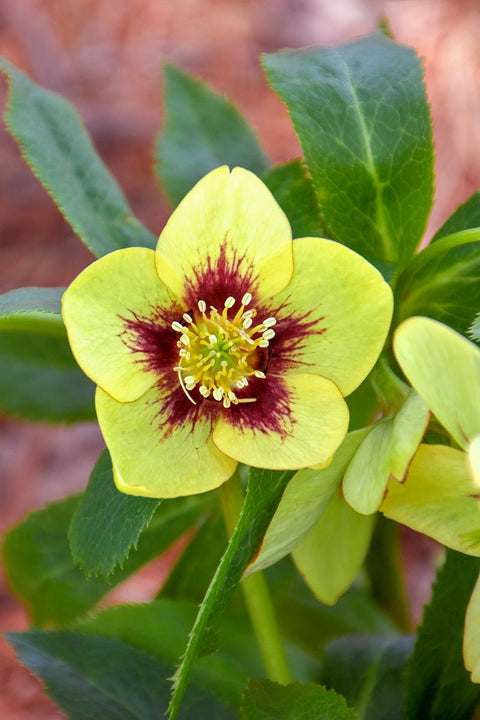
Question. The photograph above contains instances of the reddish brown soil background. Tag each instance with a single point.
(105, 57)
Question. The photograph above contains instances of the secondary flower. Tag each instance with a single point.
(228, 343)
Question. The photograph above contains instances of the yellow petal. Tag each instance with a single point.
(339, 307)
(118, 317)
(154, 456)
(228, 236)
(299, 421)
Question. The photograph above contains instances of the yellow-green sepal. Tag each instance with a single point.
(348, 308)
(444, 367)
(154, 459)
(229, 215)
(438, 498)
(96, 308)
(313, 428)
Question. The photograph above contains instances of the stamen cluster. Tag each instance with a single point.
(218, 354)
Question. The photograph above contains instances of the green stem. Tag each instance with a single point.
(385, 572)
(257, 595)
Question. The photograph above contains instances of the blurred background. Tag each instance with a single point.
(106, 58)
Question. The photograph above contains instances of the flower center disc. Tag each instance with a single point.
(219, 354)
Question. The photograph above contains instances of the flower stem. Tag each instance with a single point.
(257, 595)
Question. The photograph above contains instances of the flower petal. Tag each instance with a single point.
(309, 425)
(227, 227)
(155, 459)
(334, 316)
(118, 317)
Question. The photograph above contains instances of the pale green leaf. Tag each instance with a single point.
(303, 502)
(444, 368)
(333, 552)
(385, 454)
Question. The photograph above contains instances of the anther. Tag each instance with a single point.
(178, 327)
(247, 298)
(269, 322)
(226, 402)
(218, 393)
(189, 320)
(259, 374)
(263, 343)
(202, 306)
(185, 339)
(247, 323)
(269, 334)
(229, 302)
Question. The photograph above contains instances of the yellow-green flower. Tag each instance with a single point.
(228, 343)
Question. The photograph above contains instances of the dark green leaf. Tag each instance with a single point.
(368, 672)
(161, 628)
(202, 131)
(191, 575)
(362, 117)
(310, 624)
(107, 523)
(266, 700)
(55, 144)
(437, 686)
(465, 217)
(33, 309)
(97, 677)
(293, 190)
(39, 377)
(265, 489)
(443, 282)
(41, 570)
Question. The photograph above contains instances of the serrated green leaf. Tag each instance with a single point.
(438, 499)
(442, 282)
(107, 523)
(305, 499)
(368, 672)
(55, 144)
(361, 114)
(161, 628)
(333, 552)
(98, 677)
(266, 700)
(384, 454)
(41, 571)
(203, 130)
(293, 190)
(265, 489)
(437, 686)
(466, 216)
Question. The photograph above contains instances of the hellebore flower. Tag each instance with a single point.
(228, 343)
